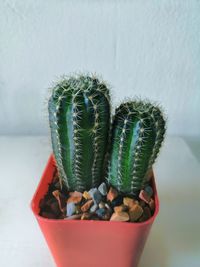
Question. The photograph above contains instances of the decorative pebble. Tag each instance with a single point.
(91, 192)
(146, 215)
(117, 201)
(108, 207)
(48, 215)
(75, 194)
(120, 217)
(94, 207)
(87, 205)
(78, 209)
(100, 213)
(149, 190)
(142, 203)
(112, 194)
(101, 205)
(144, 196)
(120, 208)
(74, 217)
(103, 189)
(86, 216)
(106, 216)
(97, 197)
(62, 216)
(54, 206)
(135, 212)
(129, 201)
(86, 195)
(152, 204)
(97, 204)
(71, 209)
(56, 194)
(94, 217)
(75, 200)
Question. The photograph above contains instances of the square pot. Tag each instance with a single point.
(81, 243)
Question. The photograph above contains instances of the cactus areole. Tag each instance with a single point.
(79, 115)
(137, 134)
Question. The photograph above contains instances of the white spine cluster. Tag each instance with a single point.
(77, 144)
(96, 140)
(119, 159)
(142, 131)
(59, 157)
(158, 124)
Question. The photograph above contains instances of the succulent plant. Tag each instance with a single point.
(79, 115)
(137, 133)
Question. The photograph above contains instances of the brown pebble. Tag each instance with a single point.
(129, 201)
(62, 216)
(106, 216)
(49, 201)
(146, 214)
(74, 217)
(48, 215)
(55, 208)
(86, 216)
(152, 204)
(57, 195)
(75, 194)
(144, 196)
(78, 209)
(86, 195)
(120, 217)
(121, 208)
(135, 212)
(142, 203)
(74, 199)
(112, 194)
(94, 217)
(87, 205)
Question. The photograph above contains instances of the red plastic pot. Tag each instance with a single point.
(91, 243)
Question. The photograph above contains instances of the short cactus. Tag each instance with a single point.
(79, 115)
(137, 133)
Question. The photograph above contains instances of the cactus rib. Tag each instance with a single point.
(137, 134)
(79, 113)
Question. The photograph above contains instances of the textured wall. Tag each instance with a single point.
(147, 48)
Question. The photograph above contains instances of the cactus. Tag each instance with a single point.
(79, 116)
(137, 133)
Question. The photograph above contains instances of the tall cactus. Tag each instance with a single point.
(79, 115)
(137, 133)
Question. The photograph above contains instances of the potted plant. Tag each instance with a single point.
(97, 198)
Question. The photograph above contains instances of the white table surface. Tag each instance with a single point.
(175, 237)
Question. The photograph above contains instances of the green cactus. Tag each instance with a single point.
(79, 116)
(137, 133)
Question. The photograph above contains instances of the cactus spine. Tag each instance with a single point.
(137, 133)
(79, 116)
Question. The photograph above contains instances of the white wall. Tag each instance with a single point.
(147, 48)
